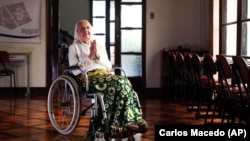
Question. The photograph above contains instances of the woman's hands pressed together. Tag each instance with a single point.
(93, 55)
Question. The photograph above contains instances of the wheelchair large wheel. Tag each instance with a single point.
(64, 104)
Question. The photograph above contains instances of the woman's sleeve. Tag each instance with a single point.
(73, 58)
(72, 55)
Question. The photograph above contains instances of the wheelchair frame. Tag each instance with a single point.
(64, 103)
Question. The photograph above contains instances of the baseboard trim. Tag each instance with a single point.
(22, 91)
(148, 92)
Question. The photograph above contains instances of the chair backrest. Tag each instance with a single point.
(223, 66)
(210, 70)
(209, 65)
(188, 61)
(196, 61)
(4, 56)
(197, 70)
(172, 58)
(181, 64)
(240, 65)
(242, 74)
(173, 62)
(225, 75)
(180, 59)
(189, 66)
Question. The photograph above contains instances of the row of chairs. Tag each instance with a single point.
(213, 87)
(232, 99)
(188, 80)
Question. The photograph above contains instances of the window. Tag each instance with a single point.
(122, 30)
(119, 25)
(235, 27)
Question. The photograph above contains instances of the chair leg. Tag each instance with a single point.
(12, 86)
(14, 89)
(190, 107)
(209, 107)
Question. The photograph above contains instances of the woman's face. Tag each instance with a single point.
(84, 31)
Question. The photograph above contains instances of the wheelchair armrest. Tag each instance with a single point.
(85, 73)
(119, 68)
(76, 67)
(71, 68)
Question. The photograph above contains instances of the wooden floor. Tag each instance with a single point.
(26, 119)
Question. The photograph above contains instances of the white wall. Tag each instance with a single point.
(38, 59)
(38, 56)
(176, 22)
(71, 12)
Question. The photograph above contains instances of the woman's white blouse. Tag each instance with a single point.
(78, 55)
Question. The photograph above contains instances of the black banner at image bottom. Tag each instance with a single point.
(215, 131)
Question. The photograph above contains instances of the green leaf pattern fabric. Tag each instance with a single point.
(121, 103)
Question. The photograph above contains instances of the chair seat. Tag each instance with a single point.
(242, 101)
(205, 81)
(6, 72)
(204, 78)
(235, 90)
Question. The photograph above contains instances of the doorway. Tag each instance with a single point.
(124, 37)
(120, 25)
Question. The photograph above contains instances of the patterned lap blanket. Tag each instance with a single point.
(121, 104)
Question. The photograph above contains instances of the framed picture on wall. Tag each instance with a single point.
(20, 21)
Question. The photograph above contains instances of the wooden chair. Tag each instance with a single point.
(229, 90)
(201, 81)
(189, 101)
(181, 77)
(5, 70)
(242, 77)
(173, 78)
(213, 87)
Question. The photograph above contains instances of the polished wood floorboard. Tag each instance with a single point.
(26, 119)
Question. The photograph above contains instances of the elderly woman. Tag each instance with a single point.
(120, 99)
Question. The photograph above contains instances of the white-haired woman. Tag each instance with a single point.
(119, 97)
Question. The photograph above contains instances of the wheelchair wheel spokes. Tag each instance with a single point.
(64, 104)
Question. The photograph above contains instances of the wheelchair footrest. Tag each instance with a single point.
(85, 113)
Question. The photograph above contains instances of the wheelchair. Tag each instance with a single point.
(65, 107)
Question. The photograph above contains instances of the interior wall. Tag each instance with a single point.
(71, 12)
(37, 58)
(176, 22)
